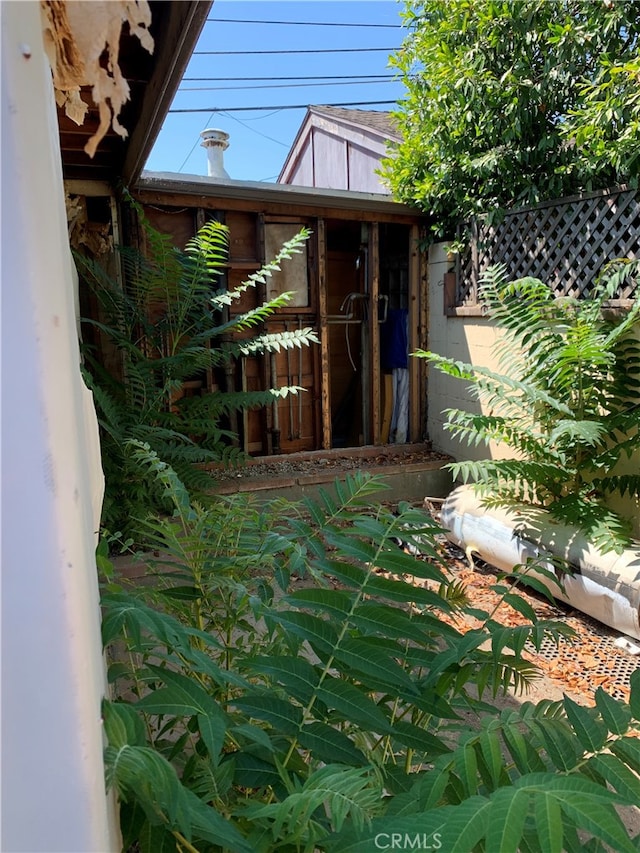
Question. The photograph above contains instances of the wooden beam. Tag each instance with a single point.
(313, 321)
(324, 335)
(450, 281)
(417, 330)
(269, 199)
(93, 172)
(374, 285)
(176, 47)
(269, 413)
(88, 188)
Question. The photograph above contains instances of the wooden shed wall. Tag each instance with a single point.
(362, 165)
(338, 157)
(302, 174)
(336, 373)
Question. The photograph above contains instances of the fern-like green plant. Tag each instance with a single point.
(548, 777)
(257, 713)
(171, 324)
(567, 405)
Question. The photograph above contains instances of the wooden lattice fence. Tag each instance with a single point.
(565, 243)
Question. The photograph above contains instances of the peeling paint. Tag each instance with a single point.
(76, 35)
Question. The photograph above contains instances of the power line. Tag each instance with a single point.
(253, 129)
(259, 132)
(282, 86)
(314, 51)
(193, 147)
(274, 112)
(279, 107)
(316, 77)
(302, 23)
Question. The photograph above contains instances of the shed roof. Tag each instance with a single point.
(259, 193)
(375, 120)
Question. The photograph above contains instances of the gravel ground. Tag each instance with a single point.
(331, 461)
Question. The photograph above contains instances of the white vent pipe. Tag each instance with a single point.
(605, 586)
(216, 142)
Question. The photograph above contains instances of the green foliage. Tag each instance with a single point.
(512, 103)
(284, 682)
(567, 406)
(170, 325)
(606, 123)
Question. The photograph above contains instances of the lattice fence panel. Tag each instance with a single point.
(564, 243)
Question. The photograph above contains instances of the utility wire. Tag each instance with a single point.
(314, 51)
(278, 107)
(193, 147)
(298, 77)
(244, 124)
(259, 118)
(282, 86)
(259, 132)
(301, 23)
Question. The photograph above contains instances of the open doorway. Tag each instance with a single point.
(367, 273)
(348, 332)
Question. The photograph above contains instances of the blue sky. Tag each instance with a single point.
(260, 140)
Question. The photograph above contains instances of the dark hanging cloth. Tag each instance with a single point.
(394, 339)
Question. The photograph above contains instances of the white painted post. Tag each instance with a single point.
(53, 679)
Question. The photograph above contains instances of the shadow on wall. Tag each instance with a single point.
(467, 337)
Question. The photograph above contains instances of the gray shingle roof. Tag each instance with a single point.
(377, 120)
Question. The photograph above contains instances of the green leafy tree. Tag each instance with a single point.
(511, 103)
(171, 324)
(606, 124)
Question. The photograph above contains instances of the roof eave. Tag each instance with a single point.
(295, 149)
(181, 35)
(345, 121)
(199, 185)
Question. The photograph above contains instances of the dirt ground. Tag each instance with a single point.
(576, 668)
(333, 462)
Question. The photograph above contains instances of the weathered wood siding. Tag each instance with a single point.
(340, 273)
(339, 158)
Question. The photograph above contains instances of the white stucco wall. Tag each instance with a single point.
(468, 339)
(53, 793)
(471, 339)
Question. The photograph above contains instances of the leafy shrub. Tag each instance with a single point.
(171, 324)
(568, 405)
(253, 714)
(510, 104)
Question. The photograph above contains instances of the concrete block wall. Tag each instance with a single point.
(463, 338)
